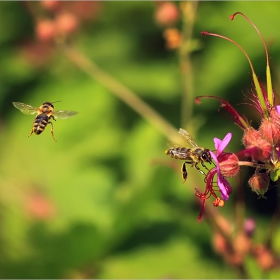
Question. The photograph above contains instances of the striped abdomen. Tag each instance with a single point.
(40, 123)
(179, 153)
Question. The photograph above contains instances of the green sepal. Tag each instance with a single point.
(260, 96)
(274, 175)
(270, 95)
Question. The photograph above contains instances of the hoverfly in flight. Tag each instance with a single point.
(193, 156)
(44, 114)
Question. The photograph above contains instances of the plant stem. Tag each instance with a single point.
(121, 91)
(188, 18)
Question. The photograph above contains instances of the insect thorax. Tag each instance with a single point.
(46, 108)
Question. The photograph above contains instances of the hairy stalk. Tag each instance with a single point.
(251, 164)
(120, 91)
(188, 17)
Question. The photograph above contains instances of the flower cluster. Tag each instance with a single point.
(262, 144)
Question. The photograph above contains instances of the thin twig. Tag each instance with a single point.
(121, 91)
(188, 17)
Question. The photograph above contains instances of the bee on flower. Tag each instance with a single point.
(262, 145)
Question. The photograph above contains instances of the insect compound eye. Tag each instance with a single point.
(206, 156)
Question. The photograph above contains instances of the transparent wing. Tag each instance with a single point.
(187, 137)
(25, 109)
(171, 144)
(64, 114)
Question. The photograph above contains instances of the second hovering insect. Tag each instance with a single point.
(44, 114)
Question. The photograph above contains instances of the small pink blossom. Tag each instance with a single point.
(223, 184)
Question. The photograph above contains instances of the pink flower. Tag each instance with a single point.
(223, 184)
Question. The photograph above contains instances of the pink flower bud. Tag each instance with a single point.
(251, 137)
(172, 38)
(228, 163)
(259, 183)
(50, 5)
(249, 226)
(45, 30)
(270, 128)
(258, 148)
(166, 14)
(66, 23)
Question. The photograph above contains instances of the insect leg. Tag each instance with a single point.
(52, 130)
(32, 130)
(195, 164)
(204, 166)
(197, 168)
(52, 117)
(184, 172)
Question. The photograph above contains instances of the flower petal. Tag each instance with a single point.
(220, 145)
(278, 109)
(223, 184)
(217, 143)
(224, 187)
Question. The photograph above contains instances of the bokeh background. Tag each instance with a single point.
(105, 201)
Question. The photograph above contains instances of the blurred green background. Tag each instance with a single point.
(105, 201)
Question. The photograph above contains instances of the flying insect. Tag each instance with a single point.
(45, 113)
(193, 156)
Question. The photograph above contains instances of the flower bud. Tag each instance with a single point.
(258, 148)
(45, 30)
(249, 226)
(66, 23)
(167, 14)
(50, 5)
(242, 245)
(172, 37)
(259, 183)
(263, 256)
(270, 128)
(251, 137)
(228, 163)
